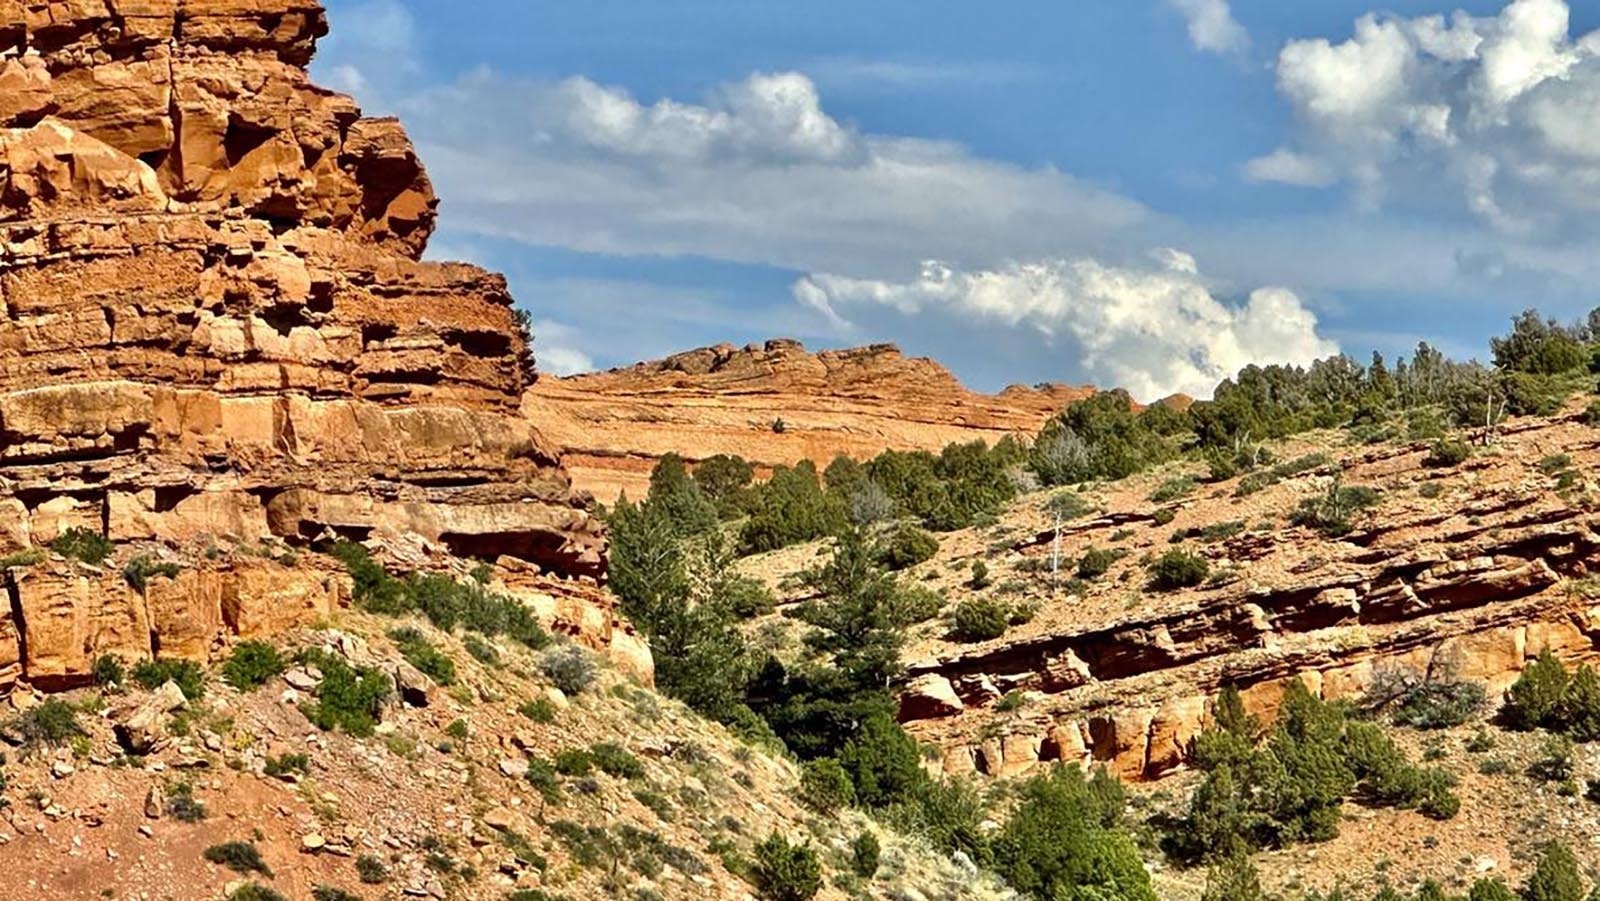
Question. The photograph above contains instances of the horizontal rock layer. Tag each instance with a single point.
(613, 426)
(1474, 585)
(215, 321)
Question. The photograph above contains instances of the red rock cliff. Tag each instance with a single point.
(725, 400)
(215, 320)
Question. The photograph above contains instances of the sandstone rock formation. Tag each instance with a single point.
(1472, 578)
(217, 328)
(614, 425)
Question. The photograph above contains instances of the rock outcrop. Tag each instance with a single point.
(773, 404)
(215, 327)
(1470, 578)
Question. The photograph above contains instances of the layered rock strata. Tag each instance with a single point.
(1471, 581)
(215, 325)
(773, 404)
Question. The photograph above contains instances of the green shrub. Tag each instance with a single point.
(420, 653)
(142, 568)
(865, 855)
(1431, 490)
(288, 765)
(574, 762)
(1068, 505)
(1331, 513)
(1095, 562)
(725, 481)
(30, 557)
(1448, 452)
(905, 547)
(252, 665)
(373, 588)
(789, 509)
(1234, 879)
(1013, 700)
(1424, 702)
(540, 710)
(745, 598)
(1097, 438)
(785, 872)
(979, 578)
(87, 545)
(182, 805)
(349, 698)
(481, 650)
(1555, 877)
(1554, 763)
(52, 722)
(1491, 890)
(241, 857)
(1591, 415)
(446, 602)
(916, 604)
(152, 674)
(616, 761)
(1481, 742)
(1062, 841)
(1535, 698)
(825, 787)
(883, 762)
(332, 893)
(542, 776)
(1287, 786)
(1178, 568)
(569, 668)
(590, 846)
(371, 869)
(979, 619)
(108, 670)
(1173, 489)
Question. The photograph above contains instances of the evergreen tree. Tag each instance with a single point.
(1536, 696)
(1054, 846)
(679, 499)
(1555, 877)
(1234, 879)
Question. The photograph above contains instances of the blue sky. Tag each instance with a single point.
(1146, 194)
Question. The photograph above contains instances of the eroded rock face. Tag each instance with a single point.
(614, 425)
(216, 321)
(1471, 580)
(217, 330)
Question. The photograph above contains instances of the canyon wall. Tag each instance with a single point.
(773, 404)
(216, 328)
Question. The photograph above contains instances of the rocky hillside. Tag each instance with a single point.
(221, 362)
(1457, 564)
(772, 404)
(501, 769)
(1473, 567)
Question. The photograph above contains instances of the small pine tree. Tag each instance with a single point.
(1490, 890)
(1536, 696)
(1555, 878)
(785, 872)
(1231, 716)
(1234, 879)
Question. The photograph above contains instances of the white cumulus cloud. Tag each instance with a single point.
(553, 346)
(1212, 27)
(1495, 114)
(756, 170)
(1290, 168)
(1154, 330)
